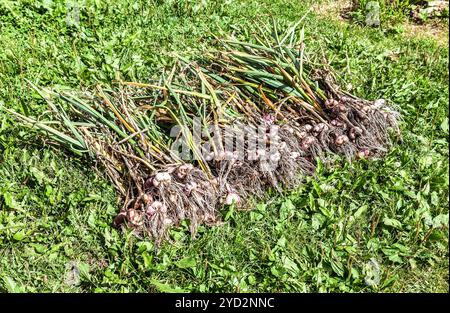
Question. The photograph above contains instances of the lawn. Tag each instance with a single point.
(369, 226)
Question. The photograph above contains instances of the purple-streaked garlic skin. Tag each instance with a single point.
(343, 108)
(363, 154)
(338, 123)
(331, 103)
(183, 170)
(339, 109)
(352, 136)
(150, 211)
(318, 128)
(135, 217)
(269, 119)
(341, 140)
(157, 205)
(366, 153)
(300, 141)
(307, 142)
(148, 183)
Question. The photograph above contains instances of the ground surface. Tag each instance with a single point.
(370, 226)
(394, 19)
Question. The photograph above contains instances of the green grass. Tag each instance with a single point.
(56, 214)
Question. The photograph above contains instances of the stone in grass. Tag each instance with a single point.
(72, 274)
(373, 14)
(435, 8)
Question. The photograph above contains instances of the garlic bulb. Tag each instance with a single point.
(330, 103)
(342, 139)
(319, 127)
(302, 134)
(135, 217)
(150, 211)
(148, 199)
(232, 198)
(161, 178)
(307, 127)
(183, 170)
(307, 142)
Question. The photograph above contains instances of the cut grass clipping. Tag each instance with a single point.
(230, 95)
